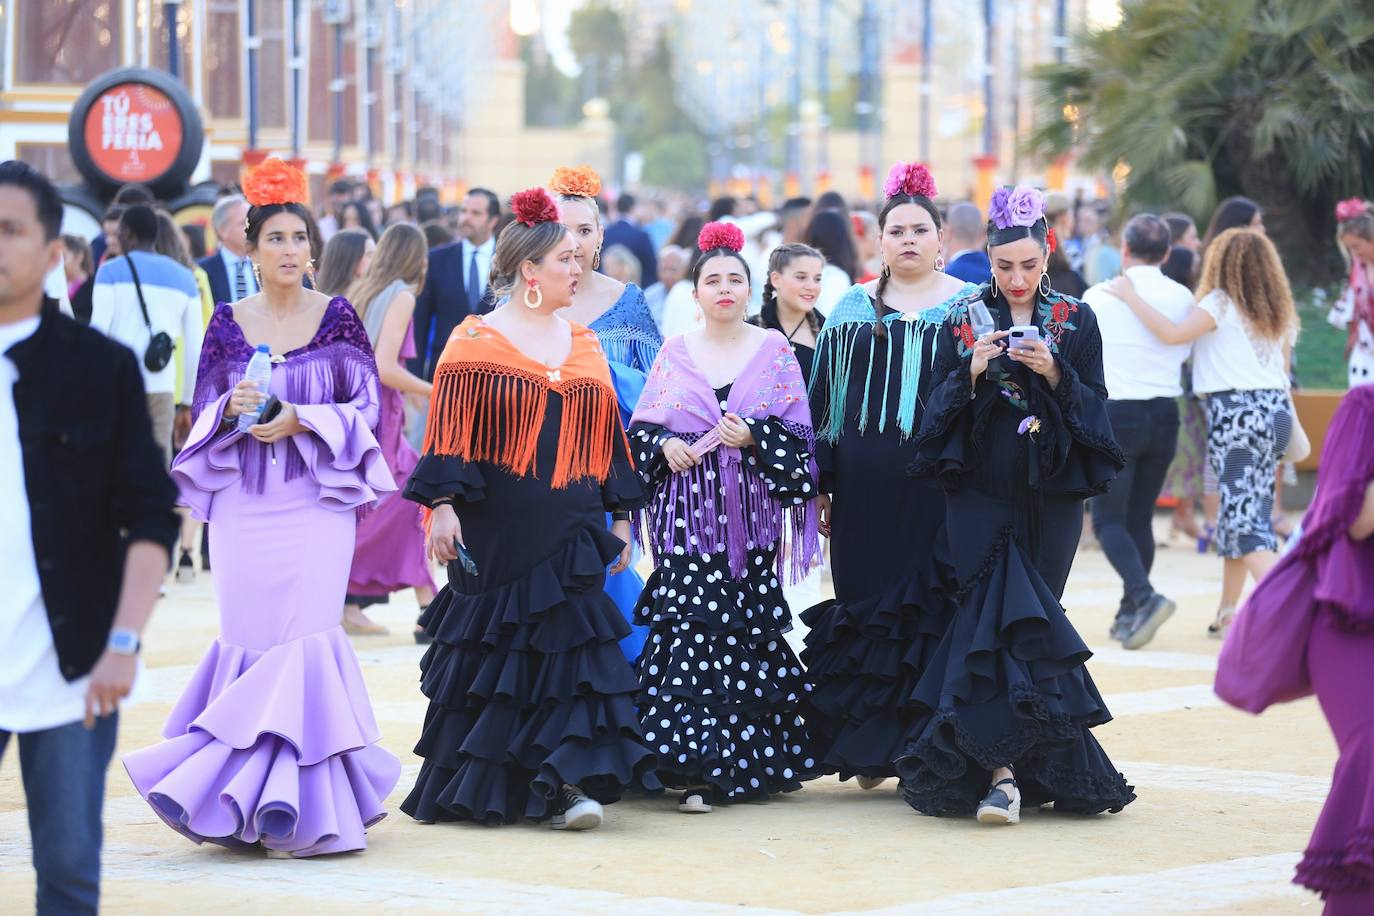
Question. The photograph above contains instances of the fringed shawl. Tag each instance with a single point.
(489, 403)
(679, 398)
(627, 331)
(843, 335)
(336, 366)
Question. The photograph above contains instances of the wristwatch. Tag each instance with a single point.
(124, 642)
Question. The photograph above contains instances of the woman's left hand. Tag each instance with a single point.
(734, 432)
(621, 529)
(284, 425)
(1037, 357)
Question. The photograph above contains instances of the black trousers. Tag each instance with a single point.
(1147, 433)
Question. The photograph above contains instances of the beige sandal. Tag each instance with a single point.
(1218, 627)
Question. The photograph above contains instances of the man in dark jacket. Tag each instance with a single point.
(229, 269)
(87, 522)
(625, 232)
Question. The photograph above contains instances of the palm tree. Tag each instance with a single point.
(1200, 99)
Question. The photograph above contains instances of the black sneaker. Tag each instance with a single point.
(1121, 624)
(1148, 620)
(573, 810)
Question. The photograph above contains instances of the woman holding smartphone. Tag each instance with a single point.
(531, 703)
(1016, 432)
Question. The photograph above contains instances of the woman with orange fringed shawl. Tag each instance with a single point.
(531, 709)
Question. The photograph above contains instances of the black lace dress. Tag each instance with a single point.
(1008, 686)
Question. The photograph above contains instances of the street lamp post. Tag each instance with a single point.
(927, 51)
(252, 42)
(297, 64)
(169, 18)
(336, 14)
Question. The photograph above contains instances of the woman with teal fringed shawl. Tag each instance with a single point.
(620, 317)
(893, 589)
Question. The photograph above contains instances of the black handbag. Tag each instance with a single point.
(160, 345)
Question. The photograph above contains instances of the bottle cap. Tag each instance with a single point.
(263, 348)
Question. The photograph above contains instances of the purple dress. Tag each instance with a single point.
(274, 740)
(390, 552)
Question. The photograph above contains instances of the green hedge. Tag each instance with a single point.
(1319, 361)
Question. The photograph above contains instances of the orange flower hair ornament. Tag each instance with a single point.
(275, 182)
(581, 181)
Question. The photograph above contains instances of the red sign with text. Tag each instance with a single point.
(133, 133)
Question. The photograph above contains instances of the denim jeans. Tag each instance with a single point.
(1147, 433)
(64, 785)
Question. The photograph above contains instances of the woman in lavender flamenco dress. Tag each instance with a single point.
(273, 742)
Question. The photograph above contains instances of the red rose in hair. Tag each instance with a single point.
(275, 182)
(533, 206)
(1052, 240)
(720, 235)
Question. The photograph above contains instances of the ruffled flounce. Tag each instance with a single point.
(1340, 855)
(1008, 687)
(720, 689)
(339, 452)
(863, 659)
(275, 746)
(528, 691)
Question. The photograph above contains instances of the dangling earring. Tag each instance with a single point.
(310, 273)
(1045, 285)
(533, 287)
(257, 275)
(992, 280)
(940, 263)
(596, 258)
(887, 271)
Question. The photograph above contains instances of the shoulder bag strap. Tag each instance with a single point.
(138, 288)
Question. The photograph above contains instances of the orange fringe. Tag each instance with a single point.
(491, 412)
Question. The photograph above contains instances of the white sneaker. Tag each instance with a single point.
(573, 810)
(693, 801)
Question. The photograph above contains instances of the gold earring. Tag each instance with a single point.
(533, 287)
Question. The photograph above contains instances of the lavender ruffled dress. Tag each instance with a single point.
(273, 740)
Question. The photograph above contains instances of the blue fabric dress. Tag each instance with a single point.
(631, 341)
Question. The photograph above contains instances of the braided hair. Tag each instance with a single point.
(893, 202)
(777, 262)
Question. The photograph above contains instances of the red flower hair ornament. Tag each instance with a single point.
(1052, 241)
(275, 182)
(533, 206)
(909, 178)
(720, 235)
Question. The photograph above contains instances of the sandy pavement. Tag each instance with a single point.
(1226, 802)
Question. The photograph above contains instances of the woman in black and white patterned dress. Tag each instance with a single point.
(1244, 325)
(722, 436)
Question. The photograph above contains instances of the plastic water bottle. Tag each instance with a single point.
(259, 373)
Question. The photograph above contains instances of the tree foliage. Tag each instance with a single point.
(1202, 99)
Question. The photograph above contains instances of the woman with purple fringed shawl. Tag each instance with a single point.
(273, 742)
(722, 436)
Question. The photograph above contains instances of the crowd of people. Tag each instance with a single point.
(929, 400)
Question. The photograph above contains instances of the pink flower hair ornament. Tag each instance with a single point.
(911, 178)
(1350, 208)
(720, 235)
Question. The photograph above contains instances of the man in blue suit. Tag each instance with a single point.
(625, 232)
(966, 240)
(458, 281)
(230, 270)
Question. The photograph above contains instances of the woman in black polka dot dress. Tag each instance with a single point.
(723, 437)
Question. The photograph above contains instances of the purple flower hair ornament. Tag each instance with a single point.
(1018, 206)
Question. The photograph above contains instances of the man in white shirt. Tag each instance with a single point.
(86, 528)
(1143, 380)
(172, 301)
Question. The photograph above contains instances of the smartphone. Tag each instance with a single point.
(465, 559)
(1024, 335)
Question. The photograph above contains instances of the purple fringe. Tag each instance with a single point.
(755, 518)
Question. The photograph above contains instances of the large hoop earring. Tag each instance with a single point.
(887, 271)
(257, 275)
(1045, 287)
(992, 281)
(533, 287)
(940, 263)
